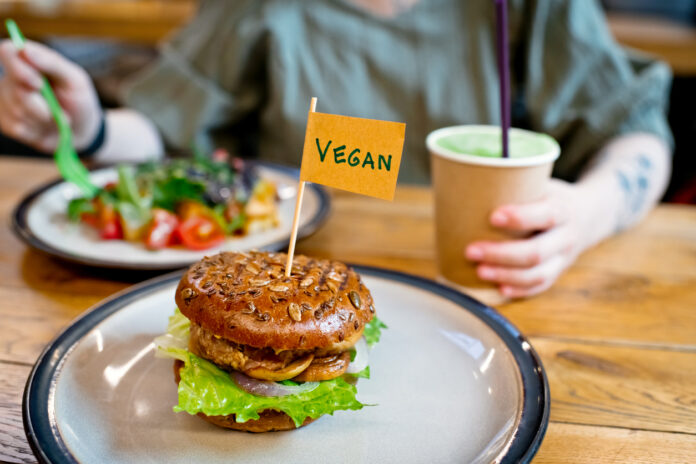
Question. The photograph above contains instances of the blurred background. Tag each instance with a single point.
(114, 38)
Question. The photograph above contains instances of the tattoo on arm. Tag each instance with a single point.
(635, 184)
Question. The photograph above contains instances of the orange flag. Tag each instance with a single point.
(359, 155)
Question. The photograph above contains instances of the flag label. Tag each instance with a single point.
(354, 154)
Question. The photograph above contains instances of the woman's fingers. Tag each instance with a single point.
(18, 71)
(52, 64)
(24, 122)
(523, 253)
(37, 108)
(28, 66)
(524, 292)
(24, 113)
(526, 267)
(524, 278)
(32, 106)
(530, 217)
(26, 107)
(19, 130)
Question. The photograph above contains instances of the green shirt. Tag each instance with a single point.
(245, 70)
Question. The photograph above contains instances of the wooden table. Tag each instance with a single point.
(617, 333)
(135, 21)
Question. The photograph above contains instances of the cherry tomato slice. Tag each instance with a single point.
(91, 219)
(111, 229)
(200, 233)
(191, 209)
(109, 223)
(160, 233)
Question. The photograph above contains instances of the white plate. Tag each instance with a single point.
(452, 381)
(40, 220)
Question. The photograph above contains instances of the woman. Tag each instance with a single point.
(243, 72)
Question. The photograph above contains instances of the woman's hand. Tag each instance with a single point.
(25, 115)
(559, 227)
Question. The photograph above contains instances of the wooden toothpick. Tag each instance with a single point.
(298, 206)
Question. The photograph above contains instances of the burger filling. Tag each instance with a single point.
(266, 363)
(219, 378)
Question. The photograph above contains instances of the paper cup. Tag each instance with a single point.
(469, 187)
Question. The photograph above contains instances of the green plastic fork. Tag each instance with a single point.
(69, 165)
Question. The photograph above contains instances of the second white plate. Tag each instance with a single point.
(40, 220)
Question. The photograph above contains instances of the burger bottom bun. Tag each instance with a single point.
(269, 420)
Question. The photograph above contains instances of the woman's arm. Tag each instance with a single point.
(631, 172)
(624, 183)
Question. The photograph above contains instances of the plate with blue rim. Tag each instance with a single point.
(40, 220)
(451, 381)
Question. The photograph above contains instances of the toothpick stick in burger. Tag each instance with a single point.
(298, 207)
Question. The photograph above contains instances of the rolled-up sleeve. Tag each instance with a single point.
(209, 75)
(582, 88)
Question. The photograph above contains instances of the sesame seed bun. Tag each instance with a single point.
(246, 298)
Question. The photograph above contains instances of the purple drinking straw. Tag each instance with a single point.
(503, 71)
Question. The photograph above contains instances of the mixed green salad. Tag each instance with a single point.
(193, 202)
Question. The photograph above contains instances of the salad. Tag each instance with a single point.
(195, 203)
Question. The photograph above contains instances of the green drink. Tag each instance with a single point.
(470, 179)
(523, 144)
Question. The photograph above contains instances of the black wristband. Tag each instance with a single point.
(97, 142)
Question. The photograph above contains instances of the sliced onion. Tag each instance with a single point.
(361, 357)
(269, 388)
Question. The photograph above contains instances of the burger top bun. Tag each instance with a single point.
(246, 298)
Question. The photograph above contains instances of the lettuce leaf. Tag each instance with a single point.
(373, 331)
(78, 206)
(179, 326)
(206, 388)
(363, 374)
(175, 340)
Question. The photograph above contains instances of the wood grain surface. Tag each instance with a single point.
(616, 334)
(13, 444)
(619, 386)
(581, 444)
